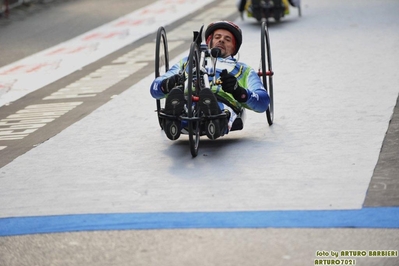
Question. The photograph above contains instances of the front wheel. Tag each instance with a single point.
(193, 87)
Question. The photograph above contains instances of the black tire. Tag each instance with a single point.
(193, 87)
(267, 71)
(161, 62)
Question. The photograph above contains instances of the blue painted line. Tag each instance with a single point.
(384, 217)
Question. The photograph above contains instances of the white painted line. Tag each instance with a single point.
(24, 122)
(39, 70)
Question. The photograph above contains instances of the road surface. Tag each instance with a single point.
(88, 178)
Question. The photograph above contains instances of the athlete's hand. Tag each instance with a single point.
(230, 85)
(169, 83)
(229, 82)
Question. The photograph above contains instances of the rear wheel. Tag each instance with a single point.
(297, 4)
(161, 62)
(193, 87)
(267, 72)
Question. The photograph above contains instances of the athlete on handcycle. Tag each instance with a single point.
(238, 86)
(264, 9)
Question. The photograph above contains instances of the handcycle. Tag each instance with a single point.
(263, 10)
(197, 77)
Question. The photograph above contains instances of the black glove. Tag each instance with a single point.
(169, 83)
(230, 85)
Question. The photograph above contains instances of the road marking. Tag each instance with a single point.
(382, 217)
(24, 122)
(96, 82)
(43, 68)
(28, 120)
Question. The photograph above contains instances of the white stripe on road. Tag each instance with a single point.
(39, 70)
(24, 122)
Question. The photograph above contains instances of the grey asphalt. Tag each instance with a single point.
(261, 246)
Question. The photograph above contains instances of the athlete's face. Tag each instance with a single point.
(224, 40)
